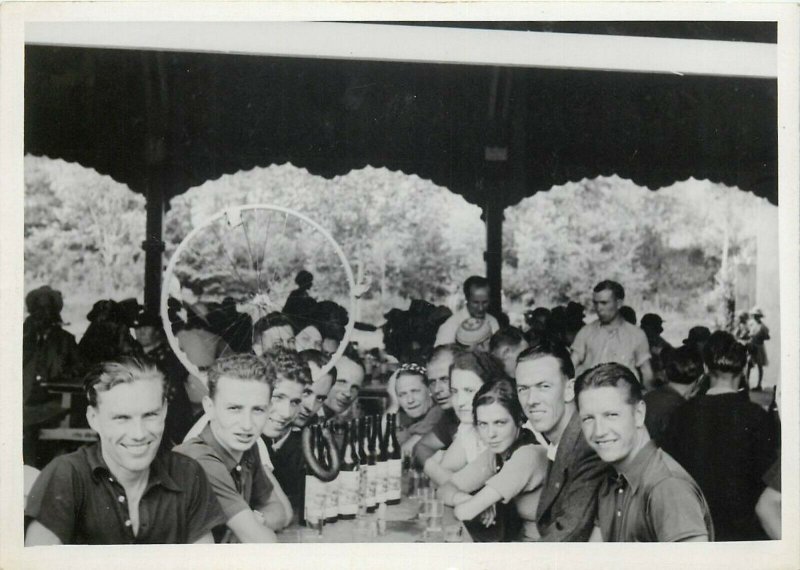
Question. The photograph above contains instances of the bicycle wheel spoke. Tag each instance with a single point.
(230, 260)
(253, 260)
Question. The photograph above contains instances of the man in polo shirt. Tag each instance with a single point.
(476, 292)
(120, 490)
(566, 509)
(650, 497)
(239, 390)
(611, 338)
(442, 434)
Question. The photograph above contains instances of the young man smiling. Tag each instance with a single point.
(237, 404)
(120, 490)
(650, 497)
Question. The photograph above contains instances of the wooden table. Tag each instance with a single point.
(402, 525)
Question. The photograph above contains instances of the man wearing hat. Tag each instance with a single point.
(474, 334)
(651, 324)
(476, 291)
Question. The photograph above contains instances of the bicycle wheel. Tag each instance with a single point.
(240, 266)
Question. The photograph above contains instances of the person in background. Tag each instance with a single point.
(154, 346)
(513, 463)
(235, 328)
(697, 338)
(441, 436)
(239, 391)
(202, 348)
(308, 338)
(725, 441)
(469, 371)
(108, 336)
(300, 304)
(506, 345)
(538, 321)
(270, 331)
(566, 508)
(476, 292)
(651, 324)
(574, 317)
(611, 338)
(474, 334)
(683, 368)
(121, 490)
(649, 497)
(759, 334)
(627, 313)
(768, 507)
(49, 355)
(417, 414)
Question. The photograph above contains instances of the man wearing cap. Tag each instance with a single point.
(611, 338)
(476, 292)
(474, 334)
(121, 490)
(651, 324)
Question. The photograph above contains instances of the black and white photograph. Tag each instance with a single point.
(359, 279)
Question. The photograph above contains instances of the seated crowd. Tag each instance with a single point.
(565, 432)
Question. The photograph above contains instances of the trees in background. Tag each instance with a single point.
(672, 249)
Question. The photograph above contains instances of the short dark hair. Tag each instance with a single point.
(613, 286)
(103, 376)
(241, 367)
(289, 365)
(443, 349)
(274, 319)
(475, 282)
(319, 358)
(723, 353)
(548, 346)
(507, 336)
(482, 364)
(500, 391)
(682, 365)
(609, 374)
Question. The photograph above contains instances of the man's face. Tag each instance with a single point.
(272, 337)
(543, 392)
(606, 305)
(308, 339)
(478, 302)
(349, 378)
(508, 356)
(238, 412)
(330, 346)
(129, 419)
(146, 335)
(313, 395)
(413, 395)
(439, 380)
(463, 386)
(284, 406)
(609, 423)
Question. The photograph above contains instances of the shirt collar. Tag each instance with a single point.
(207, 436)
(552, 448)
(633, 473)
(159, 474)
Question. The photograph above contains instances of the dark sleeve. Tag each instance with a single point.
(204, 511)
(55, 499)
(772, 478)
(443, 430)
(262, 488)
(765, 446)
(575, 511)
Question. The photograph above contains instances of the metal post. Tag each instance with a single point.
(493, 256)
(153, 247)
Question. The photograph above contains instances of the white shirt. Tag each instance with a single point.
(447, 332)
(552, 448)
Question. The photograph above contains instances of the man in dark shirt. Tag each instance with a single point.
(239, 390)
(683, 367)
(120, 490)
(725, 442)
(566, 508)
(650, 497)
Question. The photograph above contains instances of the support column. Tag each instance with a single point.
(493, 256)
(153, 247)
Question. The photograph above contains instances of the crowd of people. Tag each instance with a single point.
(564, 431)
